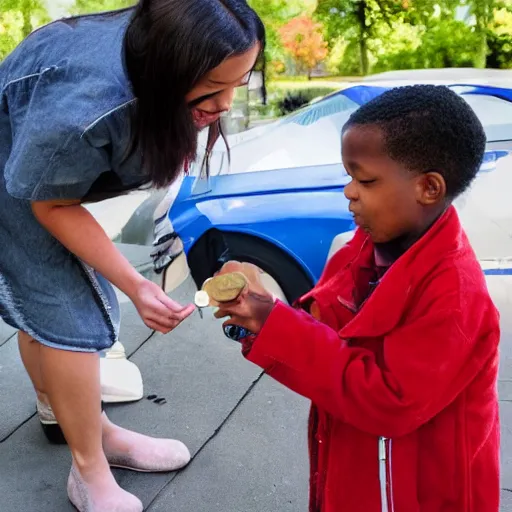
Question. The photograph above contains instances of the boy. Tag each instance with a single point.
(398, 347)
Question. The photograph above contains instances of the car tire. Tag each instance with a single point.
(217, 247)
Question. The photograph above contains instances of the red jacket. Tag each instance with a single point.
(404, 392)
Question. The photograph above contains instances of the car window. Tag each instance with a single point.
(495, 115)
(310, 136)
(326, 107)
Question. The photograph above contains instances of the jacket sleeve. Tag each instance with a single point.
(51, 157)
(427, 363)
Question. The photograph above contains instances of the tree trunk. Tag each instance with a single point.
(363, 48)
(483, 11)
(363, 33)
(26, 11)
(264, 78)
(247, 122)
(481, 56)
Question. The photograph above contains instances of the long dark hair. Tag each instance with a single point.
(169, 45)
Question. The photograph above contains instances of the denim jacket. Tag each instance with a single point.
(69, 103)
(65, 107)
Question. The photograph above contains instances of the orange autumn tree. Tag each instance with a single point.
(304, 40)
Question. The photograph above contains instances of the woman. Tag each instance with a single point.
(92, 107)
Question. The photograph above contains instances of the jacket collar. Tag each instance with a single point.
(386, 306)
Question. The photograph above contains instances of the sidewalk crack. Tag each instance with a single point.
(12, 432)
(211, 438)
(7, 340)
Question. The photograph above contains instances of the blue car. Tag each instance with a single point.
(279, 202)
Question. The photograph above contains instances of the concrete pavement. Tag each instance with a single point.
(247, 433)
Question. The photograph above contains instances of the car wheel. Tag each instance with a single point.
(282, 275)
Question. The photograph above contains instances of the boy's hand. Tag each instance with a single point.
(254, 304)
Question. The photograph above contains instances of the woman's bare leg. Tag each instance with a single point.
(75, 404)
(71, 382)
(30, 355)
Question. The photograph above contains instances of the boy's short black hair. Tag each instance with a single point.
(428, 128)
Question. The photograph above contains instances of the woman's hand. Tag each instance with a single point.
(156, 309)
(71, 224)
(254, 304)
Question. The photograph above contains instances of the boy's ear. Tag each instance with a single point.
(432, 188)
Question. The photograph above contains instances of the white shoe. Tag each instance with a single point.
(121, 380)
(116, 351)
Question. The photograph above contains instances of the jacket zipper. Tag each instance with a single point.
(385, 468)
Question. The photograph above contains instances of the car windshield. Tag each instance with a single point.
(311, 136)
(494, 113)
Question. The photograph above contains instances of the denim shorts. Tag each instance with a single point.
(46, 291)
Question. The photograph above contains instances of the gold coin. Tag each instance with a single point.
(226, 287)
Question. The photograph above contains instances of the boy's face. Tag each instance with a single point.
(387, 200)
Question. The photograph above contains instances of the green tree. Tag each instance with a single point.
(483, 12)
(90, 6)
(489, 33)
(351, 20)
(450, 43)
(17, 20)
(358, 21)
(361, 21)
(32, 12)
(10, 32)
(398, 47)
(499, 38)
(275, 13)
